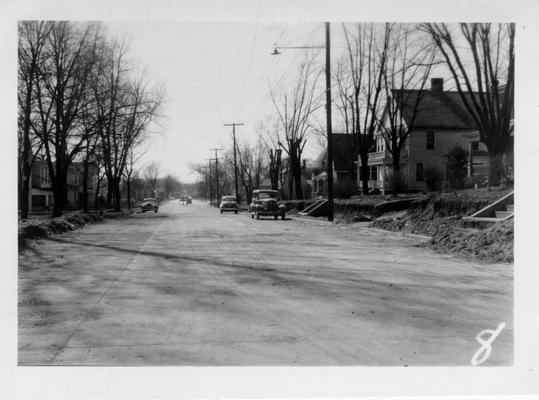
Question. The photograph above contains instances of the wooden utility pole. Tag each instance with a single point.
(217, 175)
(209, 179)
(233, 125)
(328, 123)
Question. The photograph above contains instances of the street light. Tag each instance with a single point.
(328, 113)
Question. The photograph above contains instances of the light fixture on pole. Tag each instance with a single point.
(328, 113)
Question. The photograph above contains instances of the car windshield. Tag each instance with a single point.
(229, 198)
(267, 195)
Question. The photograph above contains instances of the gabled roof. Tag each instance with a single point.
(436, 109)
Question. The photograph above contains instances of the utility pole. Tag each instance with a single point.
(328, 123)
(217, 175)
(233, 125)
(209, 179)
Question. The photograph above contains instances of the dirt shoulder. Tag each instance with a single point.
(440, 217)
(33, 229)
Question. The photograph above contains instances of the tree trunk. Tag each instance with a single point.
(96, 197)
(364, 172)
(290, 181)
(26, 181)
(128, 183)
(117, 196)
(495, 168)
(396, 162)
(297, 178)
(60, 194)
(85, 185)
(109, 193)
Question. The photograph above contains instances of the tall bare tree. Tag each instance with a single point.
(130, 173)
(31, 40)
(294, 111)
(481, 60)
(126, 107)
(410, 59)
(151, 175)
(252, 165)
(367, 53)
(71, 50)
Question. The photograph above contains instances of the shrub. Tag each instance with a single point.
(434, 177)
(395, 181)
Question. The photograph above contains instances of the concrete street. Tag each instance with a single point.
(187, 286)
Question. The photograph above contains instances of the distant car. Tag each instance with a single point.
(267, 202)
(229, 203)
(149, 204)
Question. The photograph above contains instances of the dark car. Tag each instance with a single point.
(229, 203)
(149, 204)
(267, 202)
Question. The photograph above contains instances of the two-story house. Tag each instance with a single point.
(439, 123)
(41, 195)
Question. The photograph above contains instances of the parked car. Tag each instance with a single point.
(267, 202)
(229, 203)
(149, 204)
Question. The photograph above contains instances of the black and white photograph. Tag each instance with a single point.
(290, 187)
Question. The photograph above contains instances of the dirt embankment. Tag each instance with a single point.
(36, 229)
(440, 216)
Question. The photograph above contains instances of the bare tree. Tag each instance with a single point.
(126, 109)
(294, 117)
(130, 173)
(252, 165)
(151, 174)
(367, 50)
(31, 40)
(481, 60)
(170, 184)
(410, 59)
(61, 89)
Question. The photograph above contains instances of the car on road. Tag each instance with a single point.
(149, 204)
(229, 203)
(267, 203)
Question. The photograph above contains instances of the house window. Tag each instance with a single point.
(45, 177)
(380, 144)
(475, 146)
(419, 176)
(430, 140)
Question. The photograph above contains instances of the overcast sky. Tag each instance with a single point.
(214, 73)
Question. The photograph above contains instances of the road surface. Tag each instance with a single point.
(187, 286)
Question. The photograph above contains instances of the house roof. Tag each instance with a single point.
(435, 109)
(344, 154)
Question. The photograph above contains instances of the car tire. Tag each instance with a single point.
(257, 215)
(235, 212)
(155, 210)
(275, 216)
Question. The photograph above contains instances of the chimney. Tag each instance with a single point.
(437, 84)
